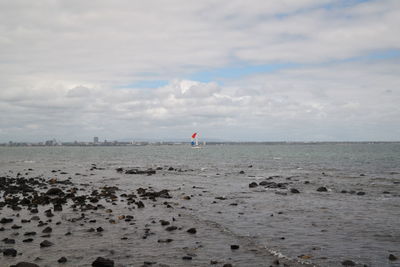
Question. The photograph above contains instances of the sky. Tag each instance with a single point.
(257, 70)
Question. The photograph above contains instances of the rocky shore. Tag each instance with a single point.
(58, 219)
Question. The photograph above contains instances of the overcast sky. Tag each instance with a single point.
(287, 70)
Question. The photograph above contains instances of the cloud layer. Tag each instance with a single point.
(71, 70)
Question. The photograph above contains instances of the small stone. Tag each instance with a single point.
(348, 263)
(294, 191)
(9, 241)
(99, 229)
(102, 262)
(392, 257)
(45, 244)
(186, 258)
(171, 228)
(25, 264)
(360, 193)
(6, 220)
(62, 260)
(253, 184)
(163, 222)
(47, 230)
(28, 240)
(16, 226)
(234, 246)
(322, 189)
(10, 252)
(192, 231)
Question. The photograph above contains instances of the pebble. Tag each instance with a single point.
(102, 262)
(192, 230)
(25, 264)
(392, 257)
(322, 189)
(234, 246)
(294, 191)
(10, 252)
(253, 184)
(45, 244)
(348, 263)
(171, 228)
(6, 220)
(62, 260)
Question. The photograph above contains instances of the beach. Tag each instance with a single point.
(232, 205)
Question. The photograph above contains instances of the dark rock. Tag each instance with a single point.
(360, 193)
(45, 244)
(241, 172)
(62, 260)
(168, 240)
(30, 233)
(234, 246)
(102, 262)
(16, 226)
(54, 191)
(171, 228)
(348, 263)
(28, 240)
(187, 258)
(47, 230)
(294, 191)
(10, 252)
(8, 241)
(25, 264)
(253, 184)
(322, 189)
(99, 229)
(392, 257)
(163, 222)
(192, 231)
(6, 220)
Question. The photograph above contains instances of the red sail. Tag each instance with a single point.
(194, 135)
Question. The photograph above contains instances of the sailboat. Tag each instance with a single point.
(195, 141)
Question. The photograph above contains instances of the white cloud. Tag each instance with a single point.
(65, 66)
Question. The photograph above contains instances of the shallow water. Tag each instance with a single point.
(327, 227)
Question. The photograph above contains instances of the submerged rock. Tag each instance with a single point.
(45, 244)
(25, 264)
(322, 189)
(392, 257)
(62, 260)
(192, 231)
(10, 252)
(348, 263)
(102, 262)
(253, 184)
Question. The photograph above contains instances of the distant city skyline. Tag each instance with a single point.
(316, 70)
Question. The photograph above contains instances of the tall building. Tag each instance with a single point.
(95, 139)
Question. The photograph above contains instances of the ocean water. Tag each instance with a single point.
(319, 228)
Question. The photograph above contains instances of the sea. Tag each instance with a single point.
(357, 217)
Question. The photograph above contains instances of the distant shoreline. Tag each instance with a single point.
(116, 143)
